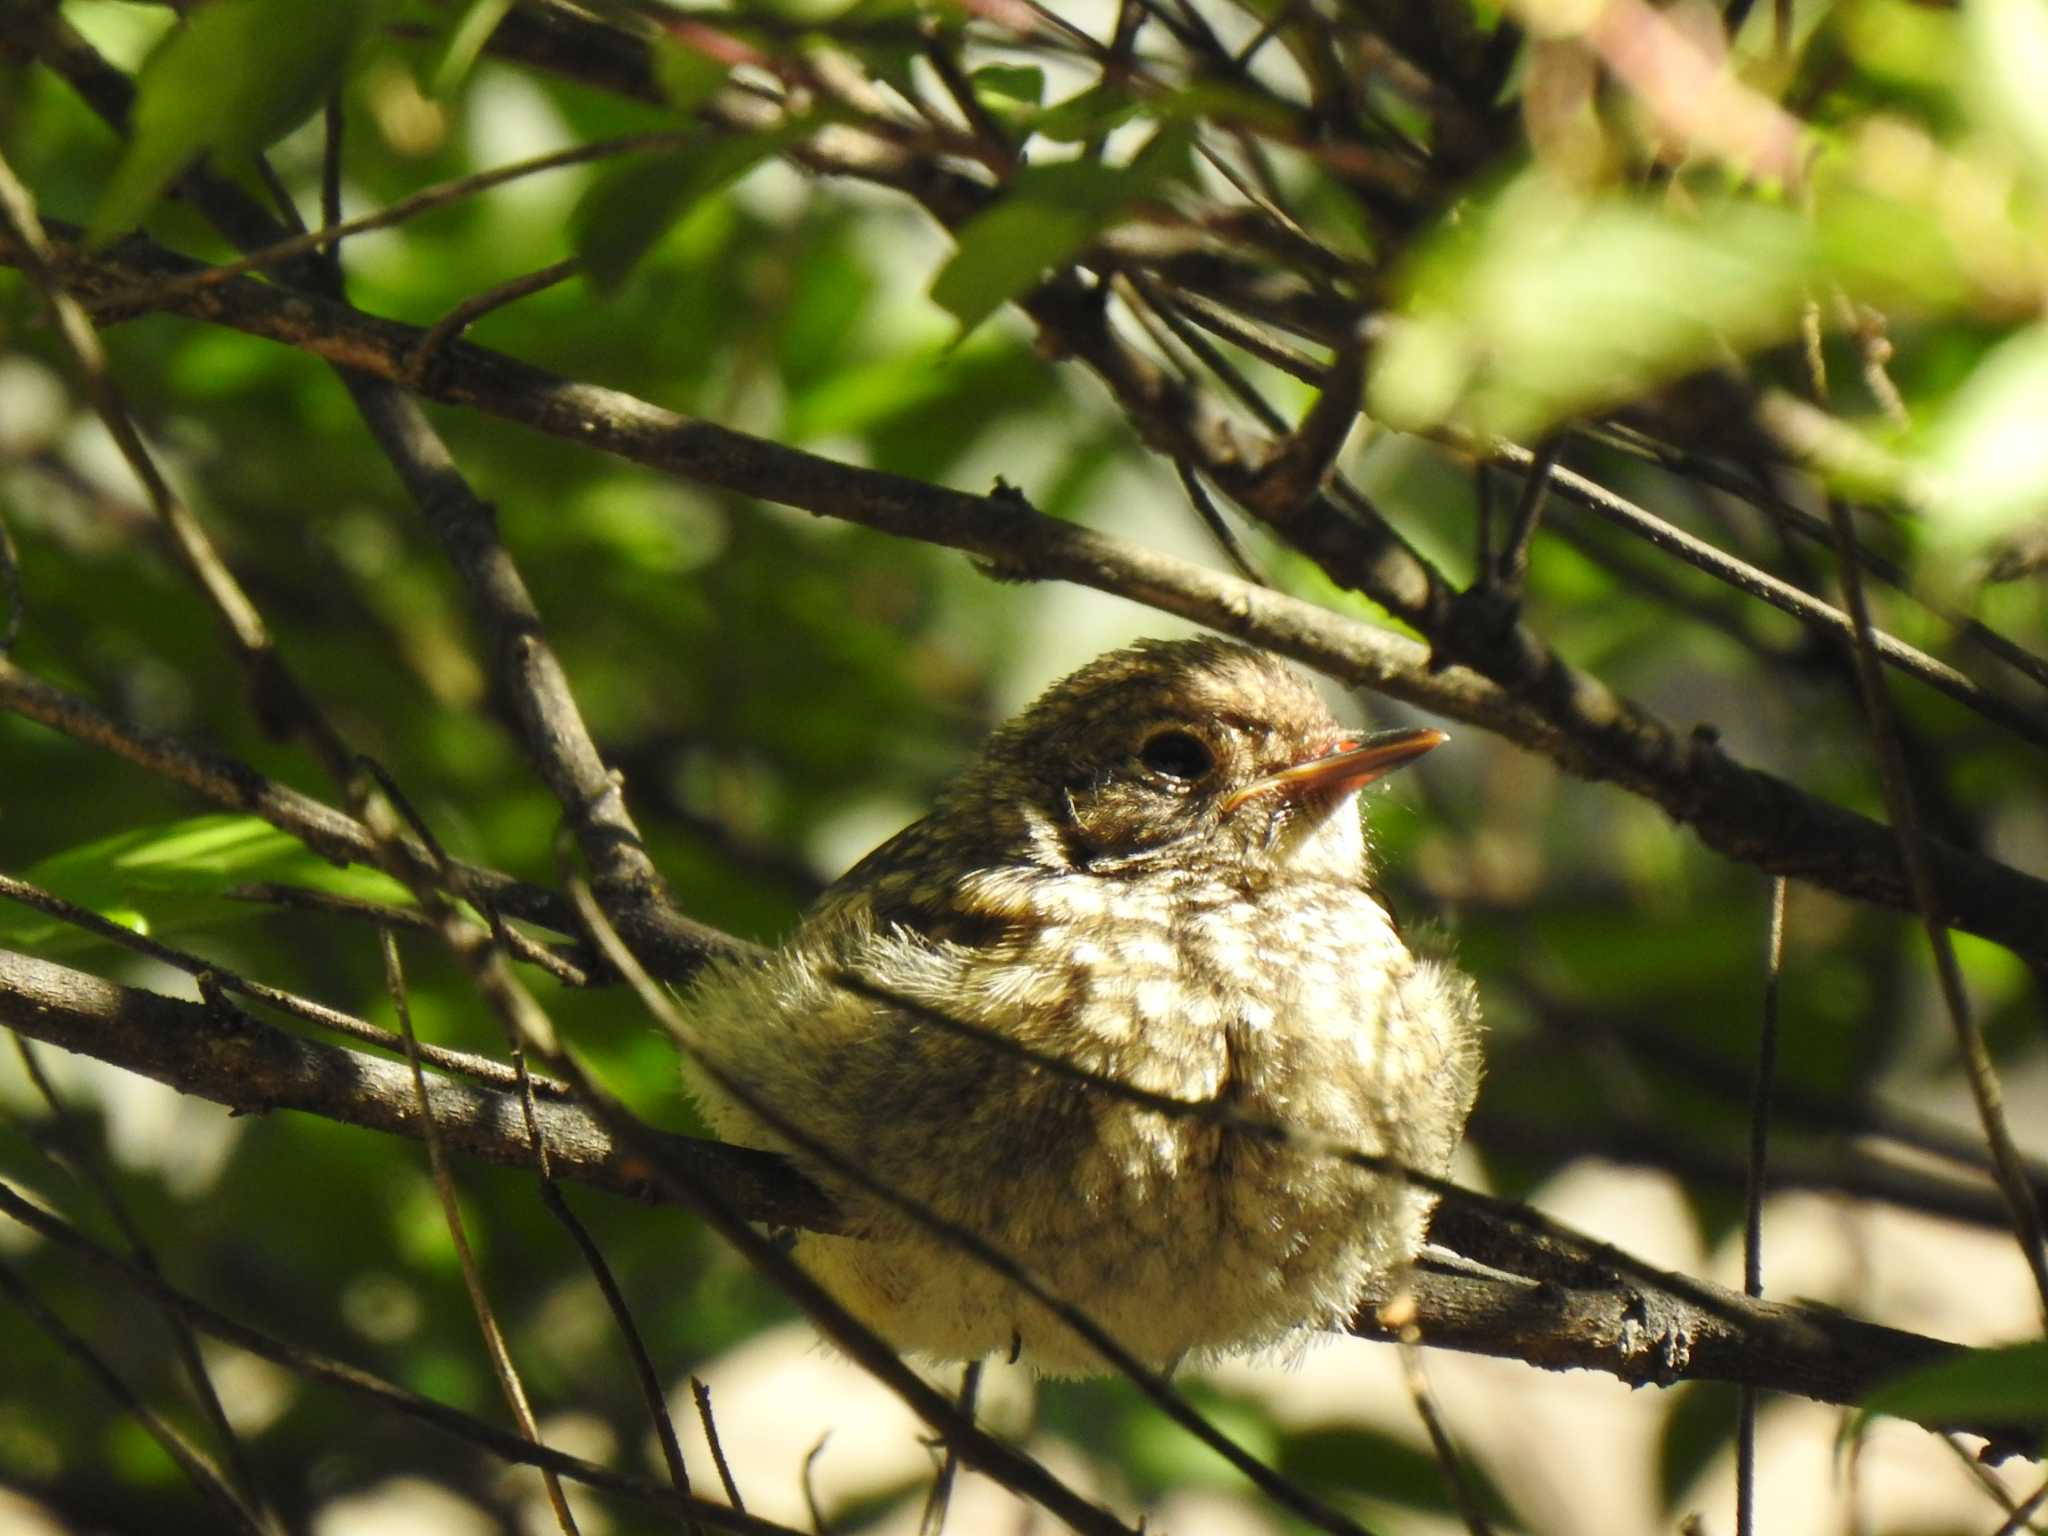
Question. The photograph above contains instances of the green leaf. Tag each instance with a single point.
(626, 213)
(471, 29)
(1089, 114)
(1100, 109)
(236, 76)
(1353, 1458)
(1163, 1455)
(1005, 251)
(1909, 45)
(688, 76)
(1985, 456)
(2008, 49)
(1543, 305)
(1978, 1386)
(172, 878)
(1697, 1429)
(1010, 83)
(1051, 211)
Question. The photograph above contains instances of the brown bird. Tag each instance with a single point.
(1158, 875)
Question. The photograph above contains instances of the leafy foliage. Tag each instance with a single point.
(1096, 260)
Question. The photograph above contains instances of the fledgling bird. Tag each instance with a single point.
(1157, 873)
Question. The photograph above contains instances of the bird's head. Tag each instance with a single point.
(1189, 751)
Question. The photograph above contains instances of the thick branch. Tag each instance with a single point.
(1566, 1303)
(1739, 811)
(250, 1066)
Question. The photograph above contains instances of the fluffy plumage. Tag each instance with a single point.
(1140, 876)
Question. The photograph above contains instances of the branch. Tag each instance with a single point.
(251, 1067)
(673, 946)
(1548, 1297)
(464, 1427)
(1738, 811)
(525, 666)
(529, 675)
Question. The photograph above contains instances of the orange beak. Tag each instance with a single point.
(1352, 765)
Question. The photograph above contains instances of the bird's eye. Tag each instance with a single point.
(1178, 755)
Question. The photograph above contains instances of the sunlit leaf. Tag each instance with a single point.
(235, 76)
(1010, 82)
(1985, 455)
(1088, 113)
(1004, 252)
(1979, 1386)
(1051, 211)
(1912, 45)
(2008, 47)
(174, 877)
(465, 41)
(1552, 305)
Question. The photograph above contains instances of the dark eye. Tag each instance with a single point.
(1178, 755)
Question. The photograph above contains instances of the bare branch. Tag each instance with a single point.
(252, 1067)
(325, 1368)
(189, 1458)
(1589, 731)
(1545, 1296)
(669, 943)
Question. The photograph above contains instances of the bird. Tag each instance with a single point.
(1152, 884)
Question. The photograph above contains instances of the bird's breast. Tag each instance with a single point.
(1194, 989)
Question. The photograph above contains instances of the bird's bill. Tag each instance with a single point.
(1352, 766)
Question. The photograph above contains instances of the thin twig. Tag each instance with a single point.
(158, 294)
(993, 138)
(2022, 1517)
(933, 1521)
(1980, 1474)
(325, 1368)
(251, 1067)
(1482, 516)
(702, 1396)
(1510, 568)
(531, 676)
(477, 305)
(213, 976)
(88, 1166)
(551, 728)
(1226, 539)
(1448, 1461)
(10, 590)
(629, 1332)
(305, 898)
(1781, 595)
(280, 703)
(500, 1354)
(557, 1204)
(673, 945)
(1756, 490)
(1753, 1198)
(1899, 806)
(1583, 725)
(192, 1461)
(819, 1525)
